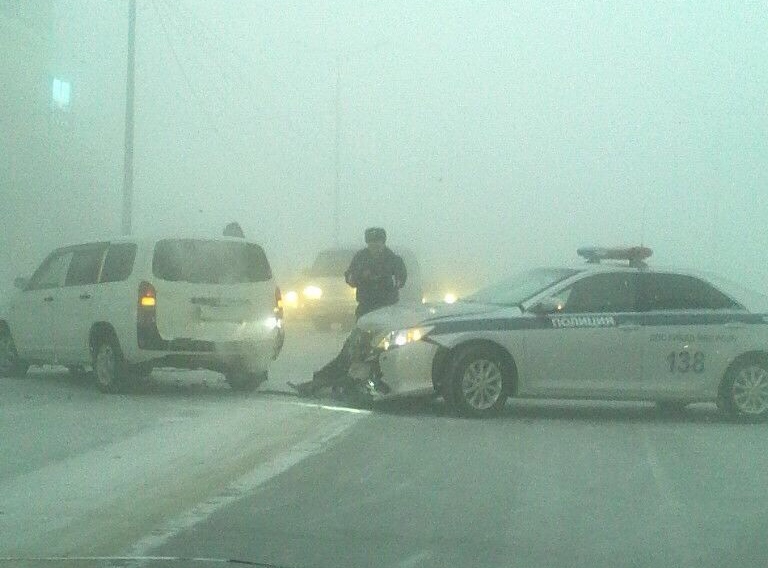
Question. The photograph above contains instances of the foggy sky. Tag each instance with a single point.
(488, 137)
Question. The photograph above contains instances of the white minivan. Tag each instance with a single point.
(127, 305)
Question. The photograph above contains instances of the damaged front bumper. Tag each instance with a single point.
(394, 372)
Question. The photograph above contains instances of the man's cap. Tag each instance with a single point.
(375, 235)
(234, 230)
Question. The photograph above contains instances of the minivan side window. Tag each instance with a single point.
(681, 292)
(118, 264)
(85, 266)
(52, 272)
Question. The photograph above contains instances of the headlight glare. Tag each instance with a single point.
(313, 292)
(402, 337)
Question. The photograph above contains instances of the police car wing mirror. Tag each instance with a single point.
(21, 283)
(546, 306)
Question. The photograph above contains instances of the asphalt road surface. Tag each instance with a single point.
(182, 466)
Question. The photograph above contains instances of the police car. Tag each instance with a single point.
(611, 328)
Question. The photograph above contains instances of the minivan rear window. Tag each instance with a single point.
(210, 262)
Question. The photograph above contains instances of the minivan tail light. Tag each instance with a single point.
(147, 295)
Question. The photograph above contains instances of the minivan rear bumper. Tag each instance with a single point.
(149, 339)
(254, 356)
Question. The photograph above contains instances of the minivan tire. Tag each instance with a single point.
(244, 381)
(670, 407)
(10, 364)
(109, 368)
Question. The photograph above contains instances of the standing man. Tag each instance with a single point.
(377, 274)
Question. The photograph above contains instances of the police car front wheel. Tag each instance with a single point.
(477, 382)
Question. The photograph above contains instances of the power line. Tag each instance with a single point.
(213, 120)
(212, 54)
(209, 34)
(167, 36)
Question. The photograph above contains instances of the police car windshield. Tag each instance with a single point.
(517, 289)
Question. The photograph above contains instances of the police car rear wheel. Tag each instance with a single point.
(744, 393)
(477, 383)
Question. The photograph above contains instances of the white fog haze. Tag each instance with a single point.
(488, 137)
(210, 353)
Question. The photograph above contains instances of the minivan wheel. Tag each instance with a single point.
(10, 364)
(477, 382)
(244, 381)
(744, 390)
(109, 368)
(77, 371)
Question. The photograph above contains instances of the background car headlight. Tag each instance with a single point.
(291, 299)
(450, 298)
(402, 337)
(313, 292)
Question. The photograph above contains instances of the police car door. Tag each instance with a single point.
(591, 347)
(691, 332)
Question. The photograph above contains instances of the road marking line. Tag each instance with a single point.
(327, 407)
(415, 559)
(239, 489)
(677, 517)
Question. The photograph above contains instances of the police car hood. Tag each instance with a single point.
(402, 316)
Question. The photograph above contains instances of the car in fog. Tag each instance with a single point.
(599, 330)
(324, 297)
(127, 305)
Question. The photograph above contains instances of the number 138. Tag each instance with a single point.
(685, 361)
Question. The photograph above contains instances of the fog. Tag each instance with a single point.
(486, 137)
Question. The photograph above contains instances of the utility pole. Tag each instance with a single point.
(340, 59)
(336, 157)
(129, 94)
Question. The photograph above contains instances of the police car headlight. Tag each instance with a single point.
(402, 337)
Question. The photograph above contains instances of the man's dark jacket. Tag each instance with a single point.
(377, 279)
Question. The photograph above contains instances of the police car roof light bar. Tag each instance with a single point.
(635, 255)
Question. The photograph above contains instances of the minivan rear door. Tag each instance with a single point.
(212, 291)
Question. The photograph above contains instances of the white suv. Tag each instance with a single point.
(128, 305)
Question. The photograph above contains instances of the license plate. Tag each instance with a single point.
(222, 313)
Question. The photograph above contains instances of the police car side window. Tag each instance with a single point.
(601, 293)
(681, 292)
